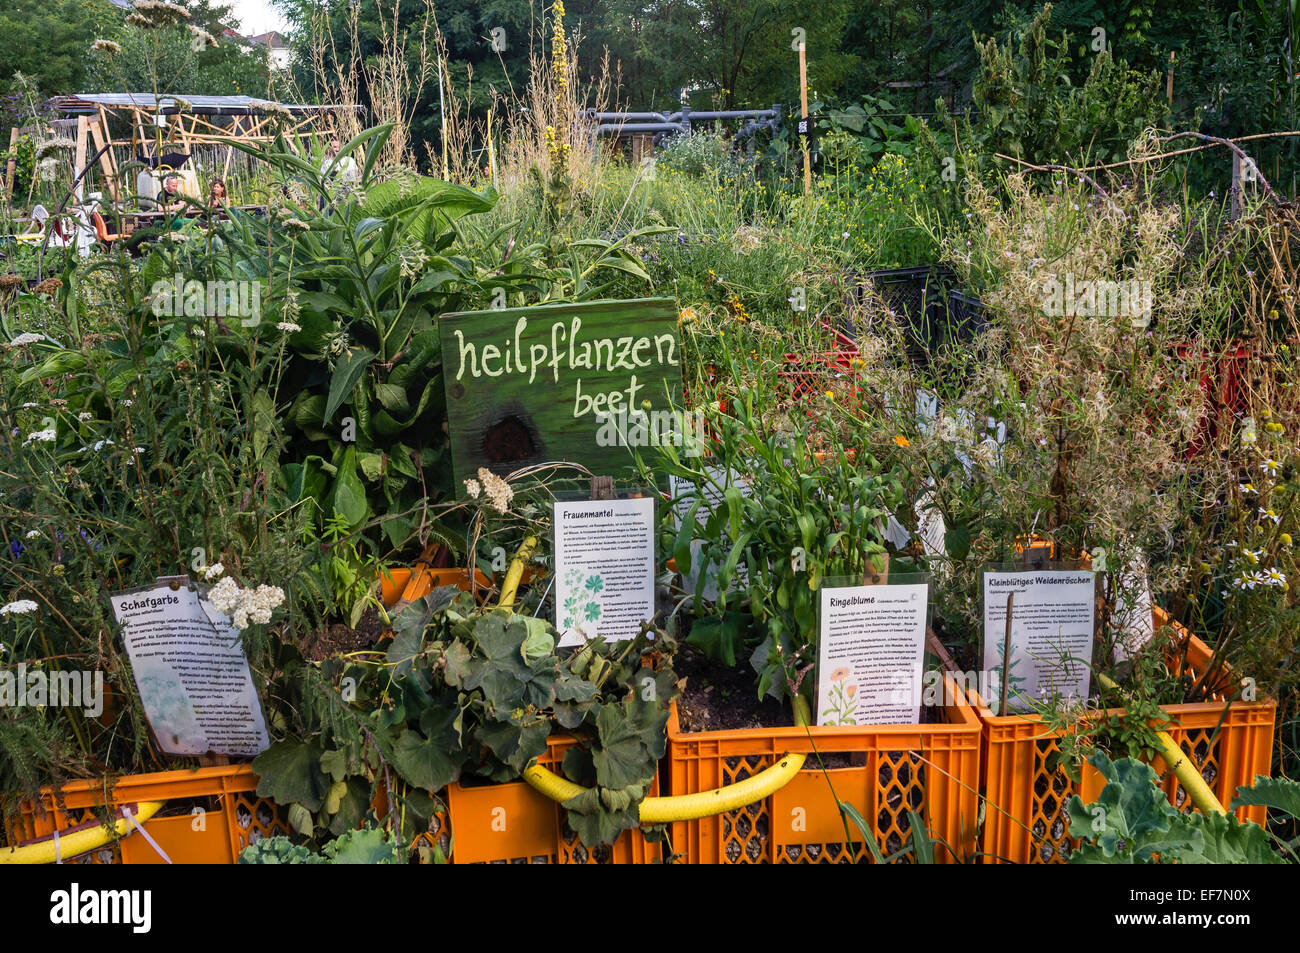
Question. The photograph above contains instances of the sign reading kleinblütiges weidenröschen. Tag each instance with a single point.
(575, 382)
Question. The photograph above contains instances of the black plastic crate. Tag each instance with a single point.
(918, 299)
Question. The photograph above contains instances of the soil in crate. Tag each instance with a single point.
(718, 698)
(337, 638)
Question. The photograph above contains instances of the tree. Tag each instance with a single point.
(50, 41)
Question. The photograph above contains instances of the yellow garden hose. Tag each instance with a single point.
(692, 807)
(1202, 797)
(516, 572)
(81, 841)
(682, 807)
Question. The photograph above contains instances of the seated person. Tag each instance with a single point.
(217, 197)
(345, 169)
(172, 201)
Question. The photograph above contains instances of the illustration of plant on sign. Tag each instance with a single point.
(582, 608)
(841, 700)
(1014, 681)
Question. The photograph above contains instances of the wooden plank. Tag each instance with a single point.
(105, 158)
(79, 155)
(559, 382)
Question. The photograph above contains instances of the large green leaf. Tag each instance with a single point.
(368, 846)
(430, 204)
(431, 760)
(1227, 840)
(507, 682)
(622, 757)
(348, 498)
(515, 741)
(1131, 819)
(345, 379)
(289, 773)
(1276, 794)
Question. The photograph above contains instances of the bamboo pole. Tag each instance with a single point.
(11, 167)
(803, 106)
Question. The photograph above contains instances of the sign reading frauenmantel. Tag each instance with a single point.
(576, 382)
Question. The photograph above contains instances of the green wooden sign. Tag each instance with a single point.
(574, 382)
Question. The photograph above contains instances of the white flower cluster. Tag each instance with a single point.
(498, 491)
(19, 607)
(25, 339)
(245, 606)
(288, 327)
(1271, 577)
(41, 436)
(412, 260)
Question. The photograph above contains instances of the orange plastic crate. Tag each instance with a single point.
(512, 823)
(210, 816)
(1026, 819)
(931, 769)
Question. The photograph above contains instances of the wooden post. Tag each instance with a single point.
(803, 105)
(79, 156)
(1234, 192)
(1169, 79)
(876, 577)
(99, 137)
(230, 151)
(11, 167)
(1006, 655)
(602, 488)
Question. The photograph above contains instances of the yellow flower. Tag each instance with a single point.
(830, 395)
(902, 441)
(1286, 539)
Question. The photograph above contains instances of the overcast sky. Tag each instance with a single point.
(257, 16)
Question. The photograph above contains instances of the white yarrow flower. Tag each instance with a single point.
(25, 339)
(40, 436)
(225, 595)
(213, 571)
(18, 607)
(288, 327)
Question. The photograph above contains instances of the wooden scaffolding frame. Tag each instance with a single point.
(186, 127)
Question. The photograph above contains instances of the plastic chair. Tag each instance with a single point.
(101, 229)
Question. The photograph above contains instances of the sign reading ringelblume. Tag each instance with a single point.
(871, 649)
(604, 568)
(585, 383)
(1052, 617)
(191, 671)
